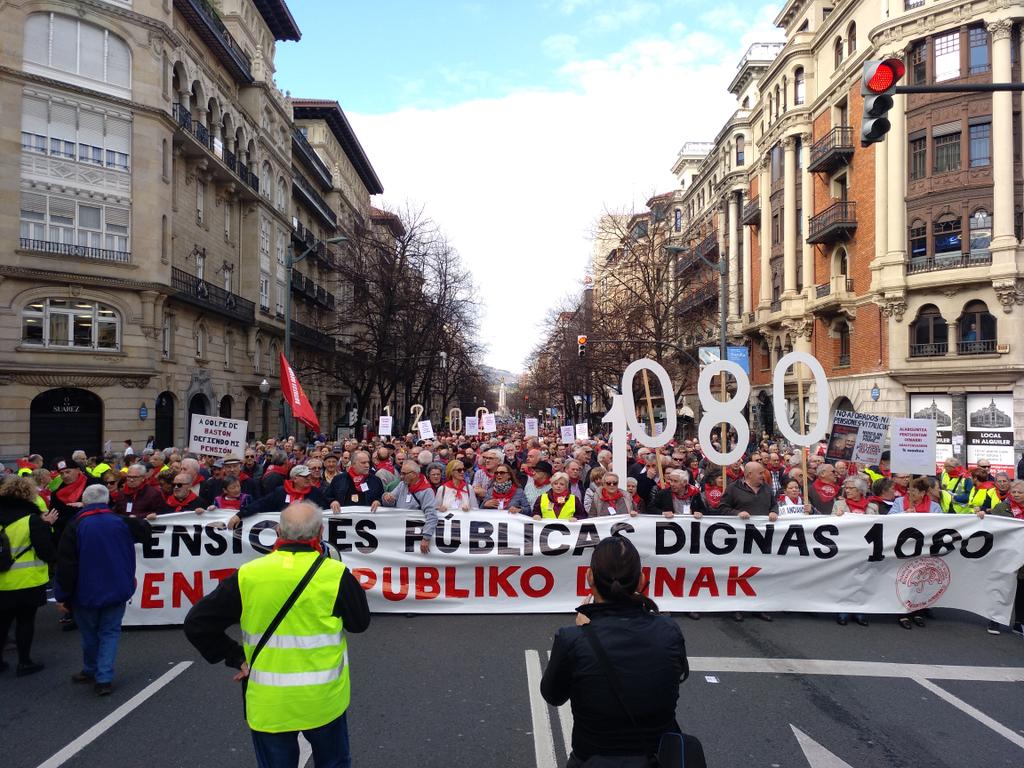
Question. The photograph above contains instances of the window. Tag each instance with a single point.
(947, 233)
(257, 356)
(947, 56)
(677, 220)
(918, 240)
(843, 337)
(274, 359)
(980, 232)
(741, 146)
(798, 147)
(265, 177)
(73, 132)
(976, 330)
(929, 333)
(918, 155)
(92, 55)
(229, 343)
(200, 200)
(776, 234)
(65, 221)
(282, 197)
(200, 264)
(776, 162)
(947, 153)
(919, 63)
(264, 291)
(70, 323)
(227, 219)
(799, 89)
(981, 144)
(167, 336)
(200, 339)
(227, 273)
(778, 102)
(979, 58)
(279, 305)
(838, 52)
(851, 38)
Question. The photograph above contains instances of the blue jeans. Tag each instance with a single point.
(100, 629)
(281, 750)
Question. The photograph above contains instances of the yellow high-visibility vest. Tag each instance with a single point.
(28, 570)
(547, 508)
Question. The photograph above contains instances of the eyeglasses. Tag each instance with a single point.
(180, 485)
(502, 474)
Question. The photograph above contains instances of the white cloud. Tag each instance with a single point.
(517, 182)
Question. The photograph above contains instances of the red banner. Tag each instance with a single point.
(296, 397)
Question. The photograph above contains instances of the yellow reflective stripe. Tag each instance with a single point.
(289, 679)
(294, 641)
(27, 564)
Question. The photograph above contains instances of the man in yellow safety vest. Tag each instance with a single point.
(294, 605)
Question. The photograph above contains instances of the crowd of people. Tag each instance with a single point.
(42, 507)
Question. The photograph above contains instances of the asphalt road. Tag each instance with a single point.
(454, 691)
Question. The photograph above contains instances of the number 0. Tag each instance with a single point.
(817, 434)
(629, 405)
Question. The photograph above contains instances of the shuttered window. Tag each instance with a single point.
(75, 133)
(87, 51)
(52, 222)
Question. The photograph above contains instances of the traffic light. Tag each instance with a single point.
(877, 87)
(581, 340)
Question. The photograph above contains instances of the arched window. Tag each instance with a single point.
(741, 147)
(200, 339)
(87, 55)
(842, 332)
(947, 234)
(785, 93)
(799, 92)
(981, 234)
(976, 330)
(918, 239)
(778, 102)
(265, 177)
(257, 356)
(929, 333)
(841, 263)
(677, 220)
(70, 323)
(838, 49)
(851, 38)
(282, 198)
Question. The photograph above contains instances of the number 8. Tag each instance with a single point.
(730, 412)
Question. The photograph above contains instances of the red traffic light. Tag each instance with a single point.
(581, 340)
(885, 76)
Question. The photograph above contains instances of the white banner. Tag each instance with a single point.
(216, 436)
(913, 446)
(531, 428)
(493, 562)
(472, 426)
(488, 423)
(384, 426)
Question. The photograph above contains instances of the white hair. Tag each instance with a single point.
(424, 457)
(306, 526)
(95, 494)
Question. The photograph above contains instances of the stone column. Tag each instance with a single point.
(807, 206)
(732, 219)
(896, 147)
(881, 200)
(747, 303)
(765, 235)
(1002, 139)
(789, 218)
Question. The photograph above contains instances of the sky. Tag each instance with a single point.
(515, 124)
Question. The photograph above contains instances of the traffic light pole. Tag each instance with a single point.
(967, 88)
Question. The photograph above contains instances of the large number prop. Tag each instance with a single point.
(455, 420)
(417, 413)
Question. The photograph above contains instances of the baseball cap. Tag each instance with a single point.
(299, 470)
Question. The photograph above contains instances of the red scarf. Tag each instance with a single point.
(985, 485)
(291, 493)
(421, 484)
(610, 498)
(386, 465)
(636, 501)
(70, 493)
(356, 479)
(459, 489)
(733, 474)
(177, 506)
(130, 493)
(1003, 496)
(924, 505)
(688, 494)
(243, 476)
(827, 491)
(860, 506)
(1016, 509)
(225, 503)
(314, 543)
(280, 469)
(528, 470)
(506, 497)
(714, 494)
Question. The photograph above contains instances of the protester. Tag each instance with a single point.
(1013, 506)
(332, 604)
(484, 476)
(593, 486)
(137, 497)
(854, 499)
(183, 497)
(504, 494)
(638, 504)
(610, 500)
(917, 500)
(96, 578)
(557, 503)
(620, 666)
(883, 495)
(456, 495)
(538, 481)
(357, 486)
(298, 487)
(414, 492)
(679, 498)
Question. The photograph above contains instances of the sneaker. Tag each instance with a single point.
(82, 677)
(28, 668)
(764, 616)
(993, 628)
(103, 689)
(1018, 629)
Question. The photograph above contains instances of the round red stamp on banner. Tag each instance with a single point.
(921, 582)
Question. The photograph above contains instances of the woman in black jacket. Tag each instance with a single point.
(624, 711)
(18, 604)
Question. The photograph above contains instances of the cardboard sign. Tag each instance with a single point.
(990, 432)
(384, 426)
(426, 430)
(582, 432)
(568, 434)
(913, 447)
(531, 428)
(857, 437)
(488, 423)
(214, 436)
(472, 426)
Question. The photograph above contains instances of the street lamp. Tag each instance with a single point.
(290, 261)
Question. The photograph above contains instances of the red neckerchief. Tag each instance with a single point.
(459, 489)
(900, 491)
(528, 470)
(827, 491)
(784, 499)
(733, 474)
(504, 496)
(72, 492)
(1016, 509)
(924, 505)
(636, 501)
(243, 476)
(314, 543)
(294, 494)
(714, 494)
(386, 465)
(356, 478)
(225, 503)
(490, 475)
(985, 485)
(421, 484)
(688, 494)
(280, 469)
(861, 505)
(610, 498)
(177, 505)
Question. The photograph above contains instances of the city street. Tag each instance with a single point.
(462, 691)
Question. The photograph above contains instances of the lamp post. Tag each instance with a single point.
(264, 391)
(290, 261)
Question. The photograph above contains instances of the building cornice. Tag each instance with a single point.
(930, 18)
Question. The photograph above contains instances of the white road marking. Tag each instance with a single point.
(817, 756)
(856, 669)
(977, 714)
(565, 720)
(710, 678)
(110, 720)
(543, 743)
(305, 751)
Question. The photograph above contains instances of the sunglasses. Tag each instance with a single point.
(613, 482)
(181, 485)
(113, 482)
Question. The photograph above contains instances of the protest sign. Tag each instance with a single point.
(216, 436)
(856, 437)
(582, 432)
(483, 563)
(568, 434)
(472, 426)
(913, 447)
(488, 423)
(426, 430)
(990, 432)
(938, 408)
(531, 428)
(384, 426)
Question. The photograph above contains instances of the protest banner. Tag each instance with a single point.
(568, 434)
(913, 447)
(481, 562)
(426, 430)
(384, 426)
(990, 432)
(488, 423)
(582, 432)
(856, 437)
(472, 426)
(938, 408)
(216, 436)
(531, 428)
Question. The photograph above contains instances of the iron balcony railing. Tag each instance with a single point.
(821, 291)
(776, 305)
(317, 202)
(832, 150)
(69, 249)
(306, 151)
(697, 297)
(312, 336)
(935, 349)
(835, 223)
(980, 347)
(844, 360)
(201, 133)
(204, 18)
(751, 211)
(940, 261)
(199, 292)
(707, 245)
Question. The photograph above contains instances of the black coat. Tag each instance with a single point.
(662, 502)
(342, 490)
(648, 654)
(277, 500)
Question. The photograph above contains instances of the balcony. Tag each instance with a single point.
(775, 306)
(836, 223)
(752, 212)
(936, 349)
(707, 246)
(313, 200)
(832, 151)
(980, 347)
(201, 15)
(940, 261)
(200, 293)
(200, 135)
(304, 150)
(311, 336)
(80, 251)
(697, 298)
(828, 289)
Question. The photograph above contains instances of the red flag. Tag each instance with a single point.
(296, 398)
